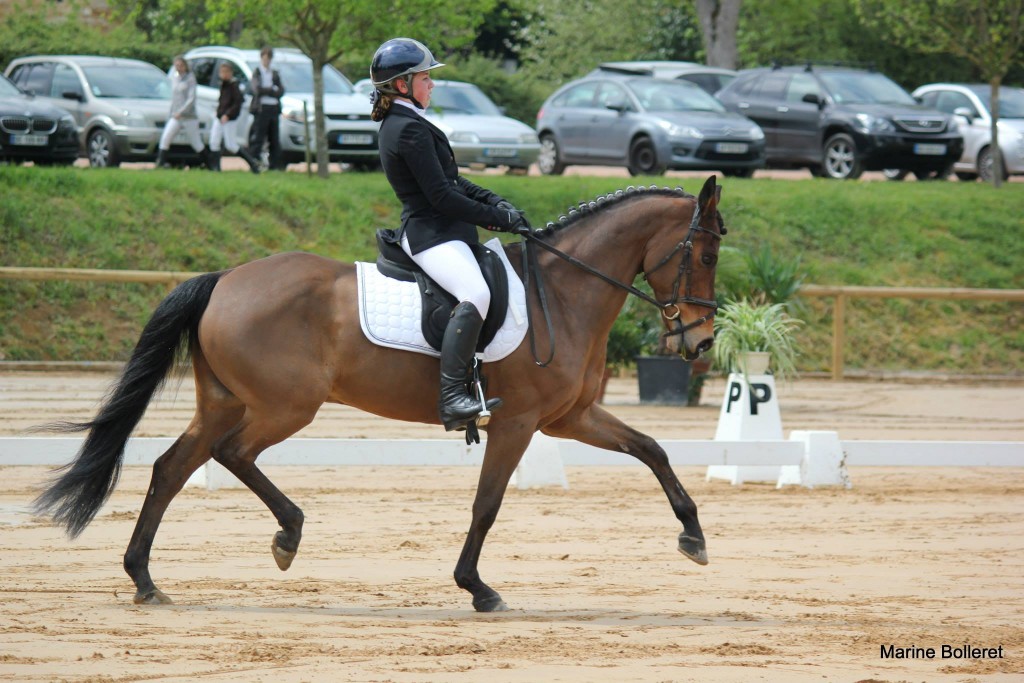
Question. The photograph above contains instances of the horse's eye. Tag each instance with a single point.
(709, 259)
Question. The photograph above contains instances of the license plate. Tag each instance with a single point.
(500, 152)
(930, 150)
(30, 140)
(355, 139)
(731, 147)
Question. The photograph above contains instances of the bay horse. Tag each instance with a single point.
(272, 340)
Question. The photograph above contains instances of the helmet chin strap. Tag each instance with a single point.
(409, 96)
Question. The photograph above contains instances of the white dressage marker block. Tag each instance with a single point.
(541, 465)
(750, 412)
(213, 476)
(824, 462)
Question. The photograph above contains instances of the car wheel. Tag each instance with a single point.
(966, 177)
(101, 149)
(738, 172)
(643, 159)
(550, 160)
(841, 162)
(895, 173)
(987, 165)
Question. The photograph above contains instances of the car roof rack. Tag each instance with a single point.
(629, 70)
(809, 64)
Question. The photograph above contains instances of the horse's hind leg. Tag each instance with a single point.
(170, 472)
(596, 427)
(238, 451)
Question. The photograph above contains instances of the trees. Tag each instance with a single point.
(718, 21)
(988, 33)
(326, 29)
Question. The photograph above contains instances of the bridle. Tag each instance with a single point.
(669, 309)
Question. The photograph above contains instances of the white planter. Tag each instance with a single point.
(755, 362)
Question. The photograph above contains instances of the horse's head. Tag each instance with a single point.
(682, 274)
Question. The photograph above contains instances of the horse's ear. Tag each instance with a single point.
(709, 194)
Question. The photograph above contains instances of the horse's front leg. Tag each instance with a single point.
(596, 427)
(506, 444)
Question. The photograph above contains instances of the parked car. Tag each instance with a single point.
(364, 86)
(647, 125)
(34, 131)
(711, 79)
(840, 122)
(119, 105)
(351, 135)
(480, 134)
(971, 104)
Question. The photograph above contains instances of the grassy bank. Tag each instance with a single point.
(898, 234)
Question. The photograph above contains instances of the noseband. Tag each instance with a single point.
(669, 309)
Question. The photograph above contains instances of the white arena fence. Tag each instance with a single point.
(546, 458)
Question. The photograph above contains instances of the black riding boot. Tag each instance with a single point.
(213, 160)
(254, 165)
(204, 157)
(161, 159)
(457, 406)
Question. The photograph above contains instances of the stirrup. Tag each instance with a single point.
(483, 418)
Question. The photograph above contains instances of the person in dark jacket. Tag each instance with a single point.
(266, 88)
(440, 211)
(225, 123)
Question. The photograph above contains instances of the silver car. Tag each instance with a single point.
(351, 135)
(647, 125)
(971, 105)
(480, 134)
(711, 79)
(120, 106)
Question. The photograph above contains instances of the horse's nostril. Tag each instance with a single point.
(705, 345)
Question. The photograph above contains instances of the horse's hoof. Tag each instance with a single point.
(153, 597)
(491, 604)
(282, 557)
(693, 548)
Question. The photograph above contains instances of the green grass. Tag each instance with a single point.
(856, 233)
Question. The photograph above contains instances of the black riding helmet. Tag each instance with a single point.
(400, 58)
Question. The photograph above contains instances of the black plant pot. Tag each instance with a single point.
(664, 380)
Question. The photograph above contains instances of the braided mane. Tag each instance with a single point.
(584, 209)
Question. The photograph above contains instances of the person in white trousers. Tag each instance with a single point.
(182, 113)
(225, 123)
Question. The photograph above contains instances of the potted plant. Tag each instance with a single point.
(636, 338)
(747, 332)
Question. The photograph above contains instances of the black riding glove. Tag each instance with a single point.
(518, 223)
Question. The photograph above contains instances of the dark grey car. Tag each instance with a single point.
(646, 124)
(34, 131)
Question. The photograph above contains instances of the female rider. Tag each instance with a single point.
(440, 211)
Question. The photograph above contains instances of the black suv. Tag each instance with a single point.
(841, 121)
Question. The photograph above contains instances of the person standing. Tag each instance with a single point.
(440, 212)
(225, 123)
(182, 114)
(266, 89)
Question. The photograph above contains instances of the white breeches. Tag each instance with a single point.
(191, 127)
(226, 133)
(452, 265)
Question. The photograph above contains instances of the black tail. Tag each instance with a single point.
(81, 487)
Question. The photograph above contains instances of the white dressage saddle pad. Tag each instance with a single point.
(390, 311)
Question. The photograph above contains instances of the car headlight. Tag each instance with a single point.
(464, 136)
(295, 115)
(681, 131)
(134, 119)
(951, 125)
(66, 121)
(528, 139)
(875, 124)
(756, 133)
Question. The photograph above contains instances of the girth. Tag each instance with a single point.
(393, 262)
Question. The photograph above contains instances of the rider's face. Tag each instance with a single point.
(422, 85)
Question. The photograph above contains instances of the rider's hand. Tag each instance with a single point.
(518, 223)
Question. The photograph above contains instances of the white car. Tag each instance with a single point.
(970, 103)
(351, 135)
(480, 134)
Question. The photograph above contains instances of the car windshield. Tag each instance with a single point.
(8, 89)
(1011, 102)
(864, 88)
(137, 82)
(673, 96)
(462, 100)
(298, 77)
